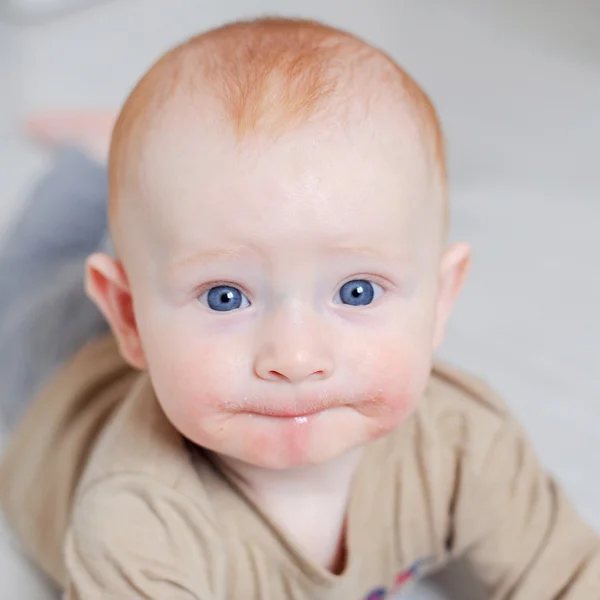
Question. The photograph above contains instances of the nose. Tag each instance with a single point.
(293, 348)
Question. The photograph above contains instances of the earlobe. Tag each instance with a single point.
(107, 286)
(453, 273)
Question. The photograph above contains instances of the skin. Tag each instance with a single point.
(287, 389)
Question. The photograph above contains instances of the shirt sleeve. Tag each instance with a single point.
(133, 538)
(516, 529)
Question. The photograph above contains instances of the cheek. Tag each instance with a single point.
(192, 394)
(395, 377)
(193, 374)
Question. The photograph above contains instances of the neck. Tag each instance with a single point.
(310, 503)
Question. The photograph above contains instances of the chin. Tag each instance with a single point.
(287, 462)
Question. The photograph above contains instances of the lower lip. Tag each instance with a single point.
(298, 418)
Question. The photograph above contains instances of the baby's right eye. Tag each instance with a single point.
(224, 298)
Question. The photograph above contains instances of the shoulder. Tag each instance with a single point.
(451, 389)
(465, 412)
(125, 508)
(141, 475)
(139, 440)
(457, 411)
(442, 449)
(130, 531)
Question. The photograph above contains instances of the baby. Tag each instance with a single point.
(266, 420)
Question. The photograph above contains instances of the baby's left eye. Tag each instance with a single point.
(358, 292)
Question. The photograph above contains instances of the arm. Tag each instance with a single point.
(131, 538)
(517, 530)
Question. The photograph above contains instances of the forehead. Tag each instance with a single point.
(331, 179)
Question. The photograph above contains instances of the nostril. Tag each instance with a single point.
(277, 376)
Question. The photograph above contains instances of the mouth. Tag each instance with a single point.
(287, 413)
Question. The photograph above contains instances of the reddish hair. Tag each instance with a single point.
(269, 75)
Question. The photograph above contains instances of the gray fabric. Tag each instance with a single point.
(45, 315)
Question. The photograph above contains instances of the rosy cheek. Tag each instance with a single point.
(392, 377)
(185, 393)
(396, 388)
(395, 408)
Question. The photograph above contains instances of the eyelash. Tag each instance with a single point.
(208, 286)
(385, 285)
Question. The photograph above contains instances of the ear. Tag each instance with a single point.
(107, 286)
(453, 272)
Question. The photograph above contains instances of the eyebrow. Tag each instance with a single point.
(364, 251)
(207, 255)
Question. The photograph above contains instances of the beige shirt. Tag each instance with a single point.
(111, 502)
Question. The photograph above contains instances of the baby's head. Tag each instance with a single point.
(278, 205)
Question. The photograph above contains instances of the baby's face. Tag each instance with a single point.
(285, 290)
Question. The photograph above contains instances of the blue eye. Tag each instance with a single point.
(224, 298)
(358, 292)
